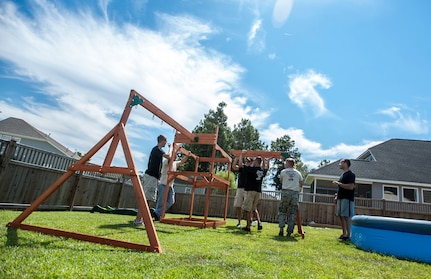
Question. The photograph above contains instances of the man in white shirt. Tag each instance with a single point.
(291, 180)
(157, 212)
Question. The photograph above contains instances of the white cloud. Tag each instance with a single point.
(392, 111)
(85, 67)
(403, 121)
(256, 37)
(103, 4)
(312, 152)
(303, 91)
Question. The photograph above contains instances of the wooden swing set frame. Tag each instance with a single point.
(118, 135)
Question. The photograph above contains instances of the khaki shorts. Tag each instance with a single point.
(251, 200)
(239, 197)
(150, 187)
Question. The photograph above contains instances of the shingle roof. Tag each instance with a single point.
(395, 160)
(19, 128)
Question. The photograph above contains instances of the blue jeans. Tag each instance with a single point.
(161, 197)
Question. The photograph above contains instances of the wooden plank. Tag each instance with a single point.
(261, 153)
(162, 115)
(216, 160)
(194, 222)
(86, 237)
(102, 169)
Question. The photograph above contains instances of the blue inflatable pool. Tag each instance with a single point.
(401, 238)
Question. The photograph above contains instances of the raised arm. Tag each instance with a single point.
(240, 162)
(184, 159)
(235, 164)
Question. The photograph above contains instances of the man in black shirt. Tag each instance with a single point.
(152, 175)
(345, 198)
(254, 175)
(240, 192)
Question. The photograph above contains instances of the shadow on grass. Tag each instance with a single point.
(285, 238)
(165, 228)
(13, 240)
(12, 237)
(120, 226)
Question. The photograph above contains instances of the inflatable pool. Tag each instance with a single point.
(401, 238)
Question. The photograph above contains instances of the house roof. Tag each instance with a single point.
(395, 160)
(16, 127)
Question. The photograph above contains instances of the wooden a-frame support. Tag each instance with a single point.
(117, 135)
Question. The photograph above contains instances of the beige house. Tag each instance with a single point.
(396, 170)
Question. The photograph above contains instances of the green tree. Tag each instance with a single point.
(245, 136)
(223, 174)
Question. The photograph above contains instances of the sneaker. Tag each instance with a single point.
(345, 238)
(288, 234)
(246, 229)
(138, 223)
(259, 226)
(238, 225)
(154, 214)
(280, 233)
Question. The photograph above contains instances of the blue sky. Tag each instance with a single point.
(337, 76)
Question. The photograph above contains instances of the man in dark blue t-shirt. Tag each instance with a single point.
(345, 198)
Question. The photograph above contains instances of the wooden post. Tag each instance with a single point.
(120, 191)
(6, 158)
(74, 190)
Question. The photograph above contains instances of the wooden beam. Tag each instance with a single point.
(163, 116)
(102, 169)
(86, 237)
(261, 153)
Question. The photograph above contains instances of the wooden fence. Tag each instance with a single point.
(25, 173)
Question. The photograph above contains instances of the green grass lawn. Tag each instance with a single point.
(188, 252)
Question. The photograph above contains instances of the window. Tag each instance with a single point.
(390, 193)
(410, 194)
(427, 196)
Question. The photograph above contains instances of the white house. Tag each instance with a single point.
(397, 169)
